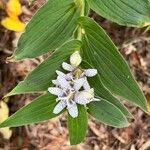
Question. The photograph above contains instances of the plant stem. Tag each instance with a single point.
(79, 30)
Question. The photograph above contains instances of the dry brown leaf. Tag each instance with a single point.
(148, 100)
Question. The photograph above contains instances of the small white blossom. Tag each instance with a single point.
(72, 88)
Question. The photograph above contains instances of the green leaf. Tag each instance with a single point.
(124, 12)
(107, 113)
(49, 28)
(38, 110)
(78, 126)
(87, 8)
(40, 78)
(103, 93)
(101, 53)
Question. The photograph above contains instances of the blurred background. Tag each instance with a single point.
(133, 43)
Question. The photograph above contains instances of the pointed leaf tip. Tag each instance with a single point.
(124, 12)
(55, 22)
(38, 110)
(102, 54)
(107, 113)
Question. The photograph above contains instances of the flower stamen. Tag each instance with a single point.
(77, 73)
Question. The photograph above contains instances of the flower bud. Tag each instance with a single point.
(75, 59)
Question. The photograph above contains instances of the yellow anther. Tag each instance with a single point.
(77, 73)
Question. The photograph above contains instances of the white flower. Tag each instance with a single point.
(72, 88)
(69, 99)
(70, 77)
(78, 73)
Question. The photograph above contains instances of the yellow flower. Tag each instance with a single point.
(13, 8)
(12, 22)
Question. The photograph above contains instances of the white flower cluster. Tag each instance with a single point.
(73, 88)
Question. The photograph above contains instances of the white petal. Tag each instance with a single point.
(59, 73)
(90, 72)
(59, 107)
(55, 91)
(87, 93)
(69, 76)
(72, 109)
(86, 84)
(67, 66)
(55, 82)
(84, 97)
(85, 101)
(78, 83)
(63, 82)
(82, 100)
(95, 99)
(75, 59)
(91, 91)
(61, 98)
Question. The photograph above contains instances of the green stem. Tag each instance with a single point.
(81, 4)
(82, 7)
